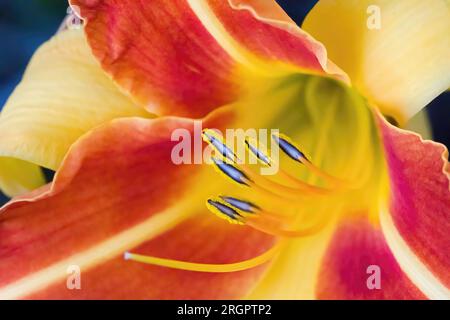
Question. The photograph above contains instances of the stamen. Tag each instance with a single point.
(245, 206)
(263, 221)
(336, 182)
(225, 212)
(242, 177)
(206, 267)
(211, 137)
(298, 183)
(246, 177)
(258, 153)
(289, 148)
(232, 172)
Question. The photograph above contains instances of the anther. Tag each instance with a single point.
(232, 172)
(210, 137)
(242, 205)
(224, 211)
(289, 148)
(258, 153)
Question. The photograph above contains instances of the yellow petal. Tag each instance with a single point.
(396, 52)
(18, 176)
(293, 275)
(64, 93)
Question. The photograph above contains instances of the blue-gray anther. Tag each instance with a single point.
(232, 172)
(241, 204)
(226, 210)
(259, 154)
(220, 146)
(289, 149)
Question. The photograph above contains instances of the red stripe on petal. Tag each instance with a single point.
(420, 199)
(355, 246)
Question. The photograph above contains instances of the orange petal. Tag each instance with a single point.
(187, 57)
(118, 190)
(420, 198)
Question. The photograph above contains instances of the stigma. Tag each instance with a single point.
(242, 212)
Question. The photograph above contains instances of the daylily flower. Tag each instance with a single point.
(99, 106)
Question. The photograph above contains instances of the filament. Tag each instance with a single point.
(320, 173)
(260, 225)
(302, 187)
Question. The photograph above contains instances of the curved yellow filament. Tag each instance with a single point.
(302, 187)
(277, 197)
(327, 177)
(206, 267)
(270, 229)
(271, 215)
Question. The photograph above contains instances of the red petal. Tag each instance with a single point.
(355, 246)
(167, 57)
(117, 186)
(420, 206)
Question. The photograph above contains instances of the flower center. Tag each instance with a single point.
(303, 193)
(283, 188)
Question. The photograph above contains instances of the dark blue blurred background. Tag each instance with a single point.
(25, 24)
